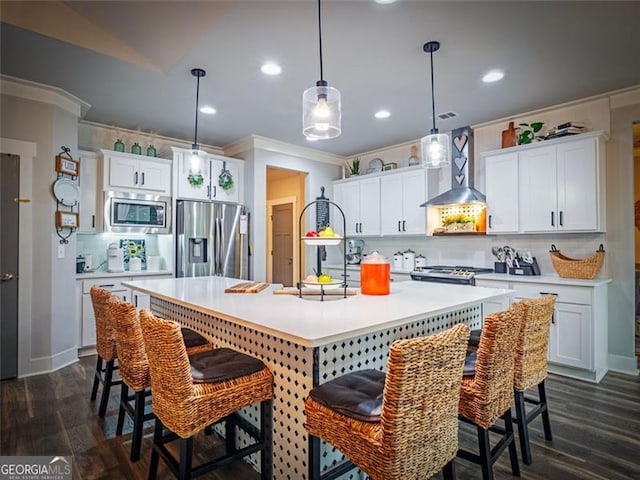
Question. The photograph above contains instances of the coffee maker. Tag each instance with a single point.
(115, 258)
(355, 247)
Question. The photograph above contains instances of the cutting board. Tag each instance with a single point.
(309, 291)
(247, 287)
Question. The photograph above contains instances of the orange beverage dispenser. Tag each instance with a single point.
(375, 275)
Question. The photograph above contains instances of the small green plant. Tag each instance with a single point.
(528, 132)
(354, 166)
(457, 218)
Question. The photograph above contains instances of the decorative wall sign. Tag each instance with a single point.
(67, 165)
(67, 219)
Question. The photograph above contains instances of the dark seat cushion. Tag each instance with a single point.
(192, 338)
(469, 369)
(357, 395)
(474, 338)
(222, 364)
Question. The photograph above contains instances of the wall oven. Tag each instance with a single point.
(136, 213)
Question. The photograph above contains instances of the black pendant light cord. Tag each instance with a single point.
(320, 40)
(433, 101)
(431, 47)
(197, 72)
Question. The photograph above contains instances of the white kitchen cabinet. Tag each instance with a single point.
(552, 186)
(560, 188)
(401, 195)
(360, 202)
(352, 275)
(210, 166)
(501, 173)
(114, 285)
(578, 338)
(127, 172)
(90, 215)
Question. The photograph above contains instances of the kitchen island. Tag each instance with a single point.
(306, 342)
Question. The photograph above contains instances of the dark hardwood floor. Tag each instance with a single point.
(596, 431)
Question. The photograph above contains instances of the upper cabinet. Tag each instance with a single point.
(360, 202)
(213, 178)
(401, 195)
(90, 217)
(501, 173)
(136, 173)
(553, 186)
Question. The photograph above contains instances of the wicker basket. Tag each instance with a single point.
(567, 267)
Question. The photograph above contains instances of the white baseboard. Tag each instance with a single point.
(626, 365)
(38, 366)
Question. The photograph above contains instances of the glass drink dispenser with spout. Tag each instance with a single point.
(375, 275)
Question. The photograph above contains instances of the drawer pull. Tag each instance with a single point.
(548, 293)
(107, 285)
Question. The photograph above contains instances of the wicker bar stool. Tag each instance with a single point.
(192, 393)
(398, 426)
(531, 368)
(486, 392)
(105, 346)
(134, 366)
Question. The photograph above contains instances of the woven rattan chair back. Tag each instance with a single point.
(420, 404)
(531, 350)
(171, 380)
(132, 358)
(105, 335)
(493, 380)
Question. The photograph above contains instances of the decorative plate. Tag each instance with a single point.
(375, 165)
(326, 286)
(322, 240)
(66, 191)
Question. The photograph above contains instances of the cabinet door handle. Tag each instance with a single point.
(490, 226)
(561, 222)
(215, 192)
(553, 219)
(208, 191)
(142, 178)
(135, 178)
(360, 227)
(404, 225)
(93, 221)
(398, 225)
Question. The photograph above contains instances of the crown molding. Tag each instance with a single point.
(38, 92)
(253, 142)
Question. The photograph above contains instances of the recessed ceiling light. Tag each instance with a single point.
(382, 114)
(209, 110)
(493, 76)
(384, 2)
(271, 68)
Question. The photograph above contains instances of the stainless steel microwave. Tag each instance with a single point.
(136, 213)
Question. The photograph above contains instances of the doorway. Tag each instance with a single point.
(282, 244)
(285, 198)
(636, 188)
(9, 254)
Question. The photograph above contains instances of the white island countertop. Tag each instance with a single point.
(307, 321)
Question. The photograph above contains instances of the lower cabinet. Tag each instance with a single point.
(352, 278)
(88, 322)
(578, 339)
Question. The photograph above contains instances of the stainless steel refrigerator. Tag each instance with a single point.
(212, 239)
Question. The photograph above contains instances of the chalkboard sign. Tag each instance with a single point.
(322, 211)
(322, 220)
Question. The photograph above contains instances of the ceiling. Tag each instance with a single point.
(131, 61)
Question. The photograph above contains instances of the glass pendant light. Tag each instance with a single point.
(435, 146)
(197, 155)
(321, 115)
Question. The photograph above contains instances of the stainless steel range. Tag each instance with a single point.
(462, 275)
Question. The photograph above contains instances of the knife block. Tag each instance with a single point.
(526, 269)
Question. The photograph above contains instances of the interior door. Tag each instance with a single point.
(282, 241)
(9, 245)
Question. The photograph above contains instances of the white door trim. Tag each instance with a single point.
(27, 152)
(270, 205)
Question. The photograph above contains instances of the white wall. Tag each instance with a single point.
(52, 326)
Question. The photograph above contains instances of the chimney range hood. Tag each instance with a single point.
(462, 171)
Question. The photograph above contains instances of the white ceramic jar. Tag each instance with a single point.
(408, 260)
(398, 261)
(421, 261)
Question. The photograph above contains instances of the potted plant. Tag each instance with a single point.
(529, 131)
(354, 167)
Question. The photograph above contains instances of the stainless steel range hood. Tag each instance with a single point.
(462, 171)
